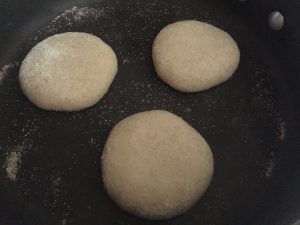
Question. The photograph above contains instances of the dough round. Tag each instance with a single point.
(68, 71)
(156, 166)
(193, 56)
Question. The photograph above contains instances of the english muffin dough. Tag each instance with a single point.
(155, 165)
(68, 72)
(193, 56)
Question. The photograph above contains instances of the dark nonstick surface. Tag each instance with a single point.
(249, 121)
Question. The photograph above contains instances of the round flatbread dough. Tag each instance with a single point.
(156, 166)
(68, 71)
(193, 56)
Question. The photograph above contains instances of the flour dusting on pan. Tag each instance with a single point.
(269, 166)
(13, 163)
(75, 15)
(4, 71)
(281, 128)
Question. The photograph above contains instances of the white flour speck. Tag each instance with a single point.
(282, 130)
(269, 168)
(126, 60)
(56, 181)
(13, 163)
(92, 141)
(4, 71)
(187, 110)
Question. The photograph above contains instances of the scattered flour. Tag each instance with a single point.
(92, 141)
(296, 223)
(270, 166)
(85, 12)
(4, 71)
(269, 169)
(281, 130)
(55, 187)
(13, 163)
(73, 16)
(76, 14)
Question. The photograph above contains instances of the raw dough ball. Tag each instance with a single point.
(193, 56)
(68, 72)
(156, 166)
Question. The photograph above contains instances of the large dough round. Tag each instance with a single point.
(156, 166)
(193, 56)
(68, 71)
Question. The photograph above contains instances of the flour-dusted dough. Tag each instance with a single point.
(156, 166)
(193, 56)
(68, 71)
